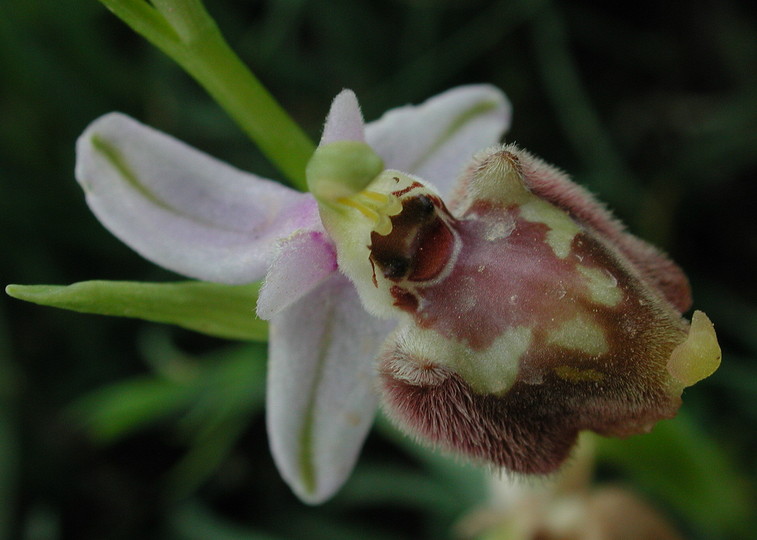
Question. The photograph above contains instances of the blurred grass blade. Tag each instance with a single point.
(233, 392)
(466, 480)
(209, 400)
(9, 439)
(374, 484)
(123, 408)
(205, 456)
(196, 522)
(226, 311)
(679, 464)
(8, 468)
(577, 113)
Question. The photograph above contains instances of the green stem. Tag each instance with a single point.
(184, 30)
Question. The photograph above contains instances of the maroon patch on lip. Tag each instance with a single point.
(530, 429)
(404, 300)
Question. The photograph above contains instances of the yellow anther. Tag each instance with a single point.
(352, 202)
(375, 206)
(381, 198)
(387, 203)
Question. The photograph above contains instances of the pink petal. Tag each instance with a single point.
(302, 263)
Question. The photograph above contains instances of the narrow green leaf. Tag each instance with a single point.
(226, 311)
(146, 20)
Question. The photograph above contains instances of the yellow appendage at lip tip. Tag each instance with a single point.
(699, 355)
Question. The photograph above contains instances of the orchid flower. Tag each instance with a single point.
(498, 307)
(525, 312)
(192, 214)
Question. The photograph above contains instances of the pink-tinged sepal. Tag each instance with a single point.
(529, 315)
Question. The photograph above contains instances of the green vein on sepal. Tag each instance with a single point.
(226, 311)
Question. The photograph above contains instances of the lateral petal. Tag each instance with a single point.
(303, 261)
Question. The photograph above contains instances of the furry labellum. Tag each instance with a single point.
(526, 312)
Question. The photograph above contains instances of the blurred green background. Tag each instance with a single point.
(115, 428)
